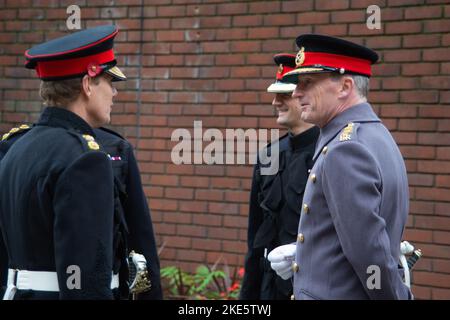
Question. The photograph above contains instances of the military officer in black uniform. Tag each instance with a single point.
(129, 198)
(356, 199)
(63, 232)
(275, 200)
(133, 203)
(6, 142)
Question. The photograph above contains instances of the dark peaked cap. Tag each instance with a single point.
(285, 63)
(88, 51)
(319, 53)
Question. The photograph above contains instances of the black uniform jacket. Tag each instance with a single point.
(57, 206)
(133, 228)
(133, 203)
(275, 205)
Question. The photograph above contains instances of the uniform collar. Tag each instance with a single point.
(361, 112)
(303, 139)
(59, 117)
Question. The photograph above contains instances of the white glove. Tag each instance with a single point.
(281, 259)
(406, 248)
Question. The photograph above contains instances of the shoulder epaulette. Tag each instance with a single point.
(87, 141)
(15, 130)
(91, 143)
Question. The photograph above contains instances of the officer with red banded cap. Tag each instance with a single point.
(275, 199)
(356, 199)
(135, 230)
(57, 213)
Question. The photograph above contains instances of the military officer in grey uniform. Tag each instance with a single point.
(276, 199)
(356, 200)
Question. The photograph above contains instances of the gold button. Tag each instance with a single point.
(300, 237)
(88, 137)
(292, 297)
(93, 145)
(325, 149)
(305, 208)
(295, 267)
(313, 178)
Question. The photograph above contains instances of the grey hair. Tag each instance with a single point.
(361, 83)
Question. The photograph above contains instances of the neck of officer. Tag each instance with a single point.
(79, 107)
(351, 100)
(300, 128)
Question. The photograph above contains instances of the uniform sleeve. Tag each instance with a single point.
(251, 284)
(7, 144)
(4, 147)
(141, 237)
(83, 228)
(3, 265)
(352, 184)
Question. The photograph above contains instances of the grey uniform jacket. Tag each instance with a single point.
(354, 211)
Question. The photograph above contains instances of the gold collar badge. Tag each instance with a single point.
(347, 133)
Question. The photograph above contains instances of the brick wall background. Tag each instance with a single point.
(211, 60)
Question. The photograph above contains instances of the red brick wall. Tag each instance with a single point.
(212, 61)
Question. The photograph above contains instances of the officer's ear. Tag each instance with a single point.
(86, 86)
(346, 87)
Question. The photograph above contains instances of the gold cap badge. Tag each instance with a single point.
(280, 68)
(300, 58)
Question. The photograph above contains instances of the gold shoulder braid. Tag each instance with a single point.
(15, 130)
(139, 280)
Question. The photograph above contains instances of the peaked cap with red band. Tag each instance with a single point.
(319, 53)
(285, 63)
(85, 52)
